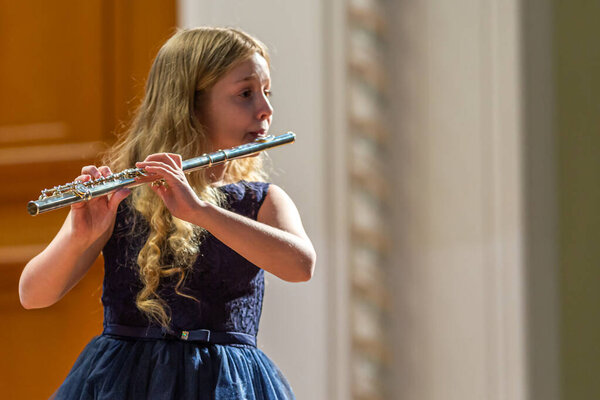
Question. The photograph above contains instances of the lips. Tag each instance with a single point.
(258, 134)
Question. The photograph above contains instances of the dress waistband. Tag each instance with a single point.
(198, 335)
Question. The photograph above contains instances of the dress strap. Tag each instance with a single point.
(198, 335)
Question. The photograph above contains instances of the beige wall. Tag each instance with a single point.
(294, 325)
(459, 263)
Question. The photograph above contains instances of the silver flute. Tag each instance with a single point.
(75, 192)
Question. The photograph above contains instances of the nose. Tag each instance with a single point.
(265, 110)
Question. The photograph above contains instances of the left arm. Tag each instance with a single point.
(276, 242)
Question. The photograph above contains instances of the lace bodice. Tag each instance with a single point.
(228, 288)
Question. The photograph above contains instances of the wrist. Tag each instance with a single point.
(80, 237)
(201, 214)
(78, 240)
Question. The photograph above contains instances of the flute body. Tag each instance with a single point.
(75, 192)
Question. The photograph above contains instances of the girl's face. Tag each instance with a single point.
(237, 108)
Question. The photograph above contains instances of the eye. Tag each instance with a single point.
(246, 93)
(268, 93)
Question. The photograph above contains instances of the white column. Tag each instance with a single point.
(459, 263)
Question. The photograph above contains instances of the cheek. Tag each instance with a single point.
(236, 114)
(225, 117)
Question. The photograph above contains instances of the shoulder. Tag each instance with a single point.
(280, 211)
(276, 195)
(265, 194)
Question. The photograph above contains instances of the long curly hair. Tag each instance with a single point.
(169, 120)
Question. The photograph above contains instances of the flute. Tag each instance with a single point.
(75, 192)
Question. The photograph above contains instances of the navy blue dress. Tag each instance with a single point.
(187, 362)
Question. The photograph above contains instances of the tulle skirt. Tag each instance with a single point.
(118, 368)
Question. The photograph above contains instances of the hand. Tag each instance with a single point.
(90, 219)
(175, 192)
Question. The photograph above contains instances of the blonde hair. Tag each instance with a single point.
(184, 70)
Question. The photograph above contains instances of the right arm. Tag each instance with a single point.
(51, 274)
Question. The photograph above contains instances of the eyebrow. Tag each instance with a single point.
(249, 78)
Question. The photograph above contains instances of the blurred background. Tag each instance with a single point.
(446, 168)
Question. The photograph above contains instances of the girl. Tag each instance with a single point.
(184, 259)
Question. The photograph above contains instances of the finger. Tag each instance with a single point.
(175, 159)
(156, 157)
(151, 176)
(146, 179)
(146, 176)
(162, 174)
(160, 190)
(83, 178)
(172, 159)
(105, 171)
(144, 164)
(158, 168)
(117, 197)
(91, 170)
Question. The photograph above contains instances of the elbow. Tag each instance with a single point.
(311, 263)
(26, 304)
(300, 267)
(27, 298)
(26, 301)
(32, 305)
(29, 303)
(307, 266)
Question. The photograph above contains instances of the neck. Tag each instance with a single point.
(216, 174)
